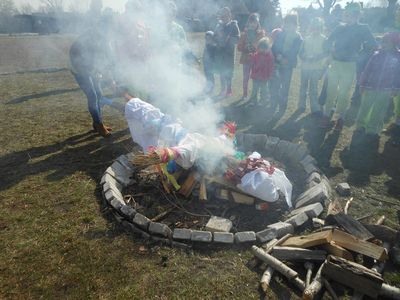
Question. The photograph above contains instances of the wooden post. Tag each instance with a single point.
(315, 287)
(277, 265)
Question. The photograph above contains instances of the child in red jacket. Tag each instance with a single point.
(262, 68)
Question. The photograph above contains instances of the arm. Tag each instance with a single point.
(234, 35)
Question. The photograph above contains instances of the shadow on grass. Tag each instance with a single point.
(41, 95)
(85, 153)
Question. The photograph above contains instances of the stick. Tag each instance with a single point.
(277, 265)
(309, 267)
(380, 221)
(255, 262)
(364, 217)
(315, 287)
(347, 206)
(162, 215)
(330, 289)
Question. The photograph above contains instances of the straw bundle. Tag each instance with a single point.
(146, 160)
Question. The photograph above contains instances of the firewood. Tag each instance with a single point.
(266, 279)
(162, 215)
(318, 222)
(380, 220)
(255, 262)
(315, 286)
(188, 185)
(309, 267)
(279, 266)
(242, 198)
(311, 240)
(383, 233)
(389, 291)
(329, 289)
(380, 266)
(298, 254)
(222, 194)
(350, 242)
(350, 225)
(203, 190)
(353, 275)
(347, 206)
(336, 250)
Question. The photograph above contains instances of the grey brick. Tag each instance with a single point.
(160, 229)
(120, 173)
(217, 224)
(266, 235)
(125, 162)
(314, 177)
(312, 210)
(114, 194)
(116, 204)
(223, 237)
(128, 211)
(182, 234)
(114, 185)
(281, 150)
(298, 219)
(315, 194)
(282, 228)
(271, 144)
(201, 236)
(343, 189)
(300, 153)
(245, 237)
(141, 221)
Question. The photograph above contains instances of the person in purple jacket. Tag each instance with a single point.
(379, 82)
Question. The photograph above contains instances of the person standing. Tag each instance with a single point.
(379, 82)
(209, 61)
(227, 35)
(247, 45)
(286, 46)
(345, 43)
(91, 60)
(313, 65)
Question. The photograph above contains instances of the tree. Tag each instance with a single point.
(52, 6)
(26, 9)
(7, 8)
(326, 6)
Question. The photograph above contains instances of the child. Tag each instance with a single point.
(286, 46)
(262, 68)
(247, 45)
(226, 36)
(209, 61)
(379, 82)
(313, 57)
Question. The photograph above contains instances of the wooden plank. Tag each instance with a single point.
(352, 243)
(203, 190)
(222, 194)
(350, 225)
(242, 199)
(383, 233)
(353, 275)
(298, 254)
(311, 240)
(188, 185)
(336, 250)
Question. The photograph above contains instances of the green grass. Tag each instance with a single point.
(57, 241)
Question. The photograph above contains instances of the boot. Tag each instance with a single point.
(101, 129)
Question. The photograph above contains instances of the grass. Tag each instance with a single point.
(58, 241)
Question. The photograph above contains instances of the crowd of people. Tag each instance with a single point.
(348, 56)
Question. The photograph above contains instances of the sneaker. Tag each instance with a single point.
(325, 123)
(339, 125)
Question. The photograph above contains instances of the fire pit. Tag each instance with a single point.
(215, 213)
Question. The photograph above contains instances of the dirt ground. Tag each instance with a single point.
(58, 241)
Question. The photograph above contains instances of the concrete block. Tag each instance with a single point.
(298, 220)
(120, 173)
(201, 236)
(217, 224)
(309, 168)
(114, 185)
(300, 153)
(282, 228)
(281, 150)
(110, 179)
(182, 234)
(266, 235)
(141, 221)
(343, 189)
(312, 210)
(160, 229)
(128, 211)
(125, 162)
(223, 237)
(315, 194)
(314, 177)
(254, 142)
(308, 160)
(325, 181)
(245, 237)
(112, 194)
(271, 144)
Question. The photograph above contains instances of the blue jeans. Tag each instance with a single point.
(91, 87)
(280, 86)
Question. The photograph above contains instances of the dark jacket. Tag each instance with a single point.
(382, 71)
(291, 54)
(346, 41)
(209, 56)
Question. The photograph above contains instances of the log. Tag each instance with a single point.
(389, 291)
(315, 287)
(350, 225)
(272, 243)
(330, 289)
(309, 267)
(336, 250)
(311, 240)
(188, 186)
(353, 275)
(266, 279)
(255, 262)
(318, 222)
(383, 233)
(203, 190)
(279, 266)
(349, 242)
(298, 254)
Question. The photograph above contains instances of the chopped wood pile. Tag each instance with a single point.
(342, 253)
